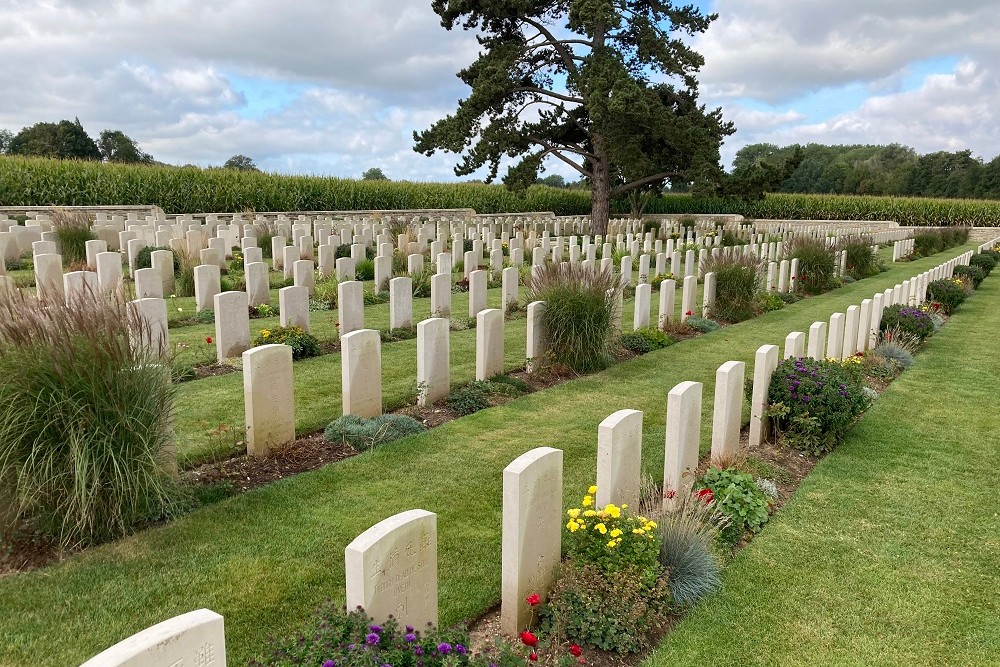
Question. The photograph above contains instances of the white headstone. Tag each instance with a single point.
(682, 440)
(361, 373)
(727, 411)
(489, 343)
(619, 458)
(196, 638)
(268, 398)
(764, 365)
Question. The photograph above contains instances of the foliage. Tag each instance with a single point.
(618, 613)
(611, 537)
(397, 334)
(789, 297)
(736, 496)
(817, 265)
(185, 275)
(364, 270)
(240, 163)
(205, 316)
(984, 262)
(468, 399)
(262, 311)
(701, 324)
(645, 340)
(974, 273)
(64, 140)
(894, 352)
(373, 298)
(814, 402)
(949, 292)
(86, 430)
(73, 230)
(420, 282)
(578, 318)
(144, 258)
(737, 281)
(364, 434)
(116, 146)
(325, 292)
(687, 549)
(907, 319)
(374, 174)
(770, 301)
(862, 261)
(611, 124)
(304, 345)
(353, 639)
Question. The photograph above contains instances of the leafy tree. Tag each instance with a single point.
(63, 140)
(116, 146)
(374, 174)
(572, 79)
(240, 163)
(6, 136)
(553, 181)
(751, 180)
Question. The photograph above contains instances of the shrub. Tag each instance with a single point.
(862, 262)
(263, 310)
(72, 231)
(613, 538)
(144, 259)
(817, 265)
(687, 550)
(974, 273)
(645, 340)
(397, 334)
(907, 319)
(517, 385)
(927, 243)
(701, 324)
(363, 434)
(983, 261)
(365, 270)
(618, 614)
(343, 250)
(737, 280)
(374, 298)
(789, 297)
(421, 283)
(204, 316)
(338, 637)
(468, 399)
(304, 345)
(185, 274)
(814, 402)
(736, 496)
(325, 292)
(86, 418)
(949, 292)
(578, 318)
(770, 301)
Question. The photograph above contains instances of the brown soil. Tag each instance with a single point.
(212, 370)
(23, 552)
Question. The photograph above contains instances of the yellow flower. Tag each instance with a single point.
(613, 511)
(572, 527)
(616, 532)
(612, 544)
(590, 513)
(650, 525)
(601, 528)
(638, 531)
(624, 506)
(265, 333)
(588, 501)
(592, 489)
(573, 513)
(180, 310)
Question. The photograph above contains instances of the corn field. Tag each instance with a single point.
(39, 182)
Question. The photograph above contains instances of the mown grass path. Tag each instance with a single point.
(266, 559)
(889, 552)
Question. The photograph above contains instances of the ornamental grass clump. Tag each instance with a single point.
(579, 313)
(907, 319)
(72, 230)
(814, 403)
(86, 442)
(817, 265)
(737, 282)
(862, 261)
(687, 549)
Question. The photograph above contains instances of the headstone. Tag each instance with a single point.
(509, 288)
(383, 272)
(207, 283)
(268, 397)
(391, 570)
(304, 275)
(433, 360)
(619, 459)
(489, 343)
(361, 373)
(795, 345)
(441, 295)
(477, 292)
(640, 318)
(668, 292)
(258, 288)
(689, 297)
(536, 348)
(532, 533)
(350, 306)
(232, 324)
(148, 283)
(817, 340)
(293, 307)
(764, 364)
(163, 261)
(851, 332)
(154, 335)
(290, 255)
(835, 341)
(727, 411)
(94, 247)
(864, 326)
(109, 272)
(401, 303)
(708, 295)
(49, 277)
(682, 440)
(196, 638)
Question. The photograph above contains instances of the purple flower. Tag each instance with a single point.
(460, 649)
(805, 399)
(417, 650)
(377, 629)
(409, 628)
(372, 639)
(444, 648)
(350, 647)
(387, 665)
(410, 637)
(329, 663)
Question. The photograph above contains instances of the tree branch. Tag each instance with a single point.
(563, 147)
(542, 91)
(622, 189)
(558, 45)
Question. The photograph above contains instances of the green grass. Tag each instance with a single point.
(265, 559)
(888, 553)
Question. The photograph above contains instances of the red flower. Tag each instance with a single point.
(529, 639)
(533, 657)
(670, 494)
(581, 661)
(208, 339)
(533, 599)
(575, 650)
(688, 313)
(705, 495)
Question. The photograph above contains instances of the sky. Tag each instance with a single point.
(331, 87)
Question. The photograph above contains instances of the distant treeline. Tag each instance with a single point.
(881, 170)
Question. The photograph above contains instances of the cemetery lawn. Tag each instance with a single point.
(267, 558)
(888, 553)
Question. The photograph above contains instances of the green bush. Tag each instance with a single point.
(907, 319)
(397, 334)
(263, 310)
(927, 243)
(789, 297)
(421, 283)
(86, 431)
(144, 259)
(185, 275)
(983, 261)
(862, 261)
(770, 301)
(373, 298)
(325, 292)
(736, 496)
(737, 280)
(974, 273)
(620, 614)
(814, 403)
(204, 316)
(363, 434)
(894, 352)
(817, 265)
(364, 270)
(645, 340)
(577, 319)
(304, 345)
(468, 399)
(343, 250)
(948, 292)
(702, 324)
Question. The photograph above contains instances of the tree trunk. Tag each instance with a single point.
(600, 207)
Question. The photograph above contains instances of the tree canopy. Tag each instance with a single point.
(374, 174)
(606, 86)
(116, 146)
(62, 140)
(241, 163)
